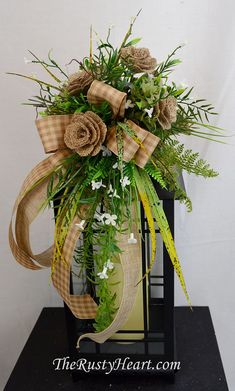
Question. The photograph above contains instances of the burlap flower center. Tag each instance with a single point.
(140, 58)
(79, 82)
(85, 134)
(166, 112)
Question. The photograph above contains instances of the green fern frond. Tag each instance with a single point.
(174, 154)
(156, 174)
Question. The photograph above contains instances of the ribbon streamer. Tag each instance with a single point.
(31, 197)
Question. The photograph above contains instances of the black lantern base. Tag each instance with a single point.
(132, 357)
(200, 363)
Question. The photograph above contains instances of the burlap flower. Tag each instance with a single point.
(139, 58)
(85, 134)
(166, 112)
(79, 82)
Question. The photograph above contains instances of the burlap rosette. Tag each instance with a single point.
(139, 58)
(85, 134)
(79, 82)
(166, 112)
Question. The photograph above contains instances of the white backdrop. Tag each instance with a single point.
(205, 238)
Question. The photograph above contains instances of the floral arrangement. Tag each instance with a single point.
(113, 127)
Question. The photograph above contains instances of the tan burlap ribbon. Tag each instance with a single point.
(51, 130)
(33, 194)
(27, 206)
(140, 150)
(100, 92)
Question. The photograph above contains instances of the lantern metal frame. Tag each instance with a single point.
(158, 344)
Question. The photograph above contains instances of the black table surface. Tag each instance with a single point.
(197, 350)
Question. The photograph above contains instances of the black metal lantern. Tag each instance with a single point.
(158, 335)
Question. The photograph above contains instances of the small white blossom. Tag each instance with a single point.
(106, 218)
(115, 165)
(110, 219)
(125, 181)
(115, 194)
(26, 61)
(109, 265)
(182, 86)
(149, 111)
(129, 104)
(105, 151)
(103, 275)
(96, 185)
(99, 217)
(80, 225)
(110, 190)
(132, 239)
(184, 43)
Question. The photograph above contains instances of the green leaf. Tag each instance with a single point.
(133, 42)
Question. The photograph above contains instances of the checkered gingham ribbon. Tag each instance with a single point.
(30, 199)
(139, 150)
(100, 92)
(51, 130)
(34, 191)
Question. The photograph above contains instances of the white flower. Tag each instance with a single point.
(110, 219)
(149, 111)
(110, 190)
(106, 218)
(99, 217)
(132, 239)
(184, 43)
(115, 165)
(26, 61)
(80, 225)
(105, 151)
(115, 194)
(96, 185)
(129, 104)
(125, 181)
(112, 193)
(182, 86)
(103, 275)
(109, 265)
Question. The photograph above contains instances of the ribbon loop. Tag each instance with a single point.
(139, 151)
(51, 130)
(100, 92)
